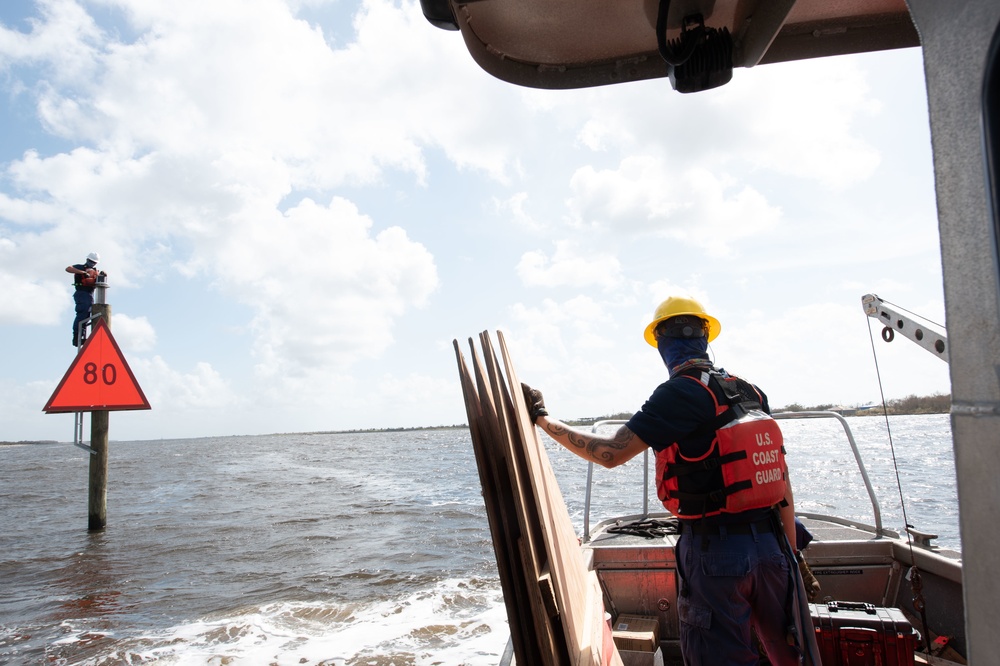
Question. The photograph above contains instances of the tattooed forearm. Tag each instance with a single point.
(599, 449)
(556, 429)
(581, 440)
(567, 435)
(623, 438)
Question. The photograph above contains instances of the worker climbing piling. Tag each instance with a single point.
(85, 280)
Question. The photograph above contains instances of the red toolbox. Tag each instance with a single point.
(857, 634)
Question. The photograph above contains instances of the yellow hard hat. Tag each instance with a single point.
(678, 305)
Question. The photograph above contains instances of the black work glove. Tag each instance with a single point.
(536, 403)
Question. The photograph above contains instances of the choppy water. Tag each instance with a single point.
(339, 550)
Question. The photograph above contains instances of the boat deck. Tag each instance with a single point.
(853, 562)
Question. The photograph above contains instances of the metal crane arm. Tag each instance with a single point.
(895, 321)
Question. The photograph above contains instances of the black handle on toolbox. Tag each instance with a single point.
(835, 606)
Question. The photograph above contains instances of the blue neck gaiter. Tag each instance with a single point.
(677, 351)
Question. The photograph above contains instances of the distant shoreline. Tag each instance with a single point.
(30, 441)
(910, 406)
(461, 426)
(269, 434)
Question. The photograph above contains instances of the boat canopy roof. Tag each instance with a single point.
(582, 43)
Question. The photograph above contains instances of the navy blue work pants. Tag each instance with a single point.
(84, 302)
(736, 581)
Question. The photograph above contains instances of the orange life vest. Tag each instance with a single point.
(743, 468)
(91, 278)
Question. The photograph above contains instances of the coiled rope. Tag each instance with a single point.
(651, 528)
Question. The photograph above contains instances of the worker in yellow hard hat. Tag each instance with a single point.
(721, 470)
(679, 306)
(689, 329)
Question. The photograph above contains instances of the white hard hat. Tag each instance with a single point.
(94, 257)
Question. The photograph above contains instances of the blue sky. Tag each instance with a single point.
(300, 204)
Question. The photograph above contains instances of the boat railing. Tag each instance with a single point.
(781, 416)
(590, 480)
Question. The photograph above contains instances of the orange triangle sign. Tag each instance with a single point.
(99, 379)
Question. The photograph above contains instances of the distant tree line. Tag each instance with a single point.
(587, 421)
(911, 404)
(29, 441)
(399, 429)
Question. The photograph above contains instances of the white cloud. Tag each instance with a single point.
(63, 38)
(514, 208)
(796, 119)
(30, 302)
(569, 267)
(646, 196)
(24, 212)
(172, 393)
(325, 292)
(556, 333)
(412, 393)
(805, 114)
(238, 87)
(133, 333)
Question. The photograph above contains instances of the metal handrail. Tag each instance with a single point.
(590, 479)
(779, 416)
(854, 447)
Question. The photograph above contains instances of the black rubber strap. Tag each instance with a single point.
(685, 468)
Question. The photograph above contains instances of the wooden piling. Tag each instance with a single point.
(97, 502)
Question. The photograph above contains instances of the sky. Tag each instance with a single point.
(301, 204)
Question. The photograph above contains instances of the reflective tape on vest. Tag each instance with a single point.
(764, 465)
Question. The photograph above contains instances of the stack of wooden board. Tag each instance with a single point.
(554, 603)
